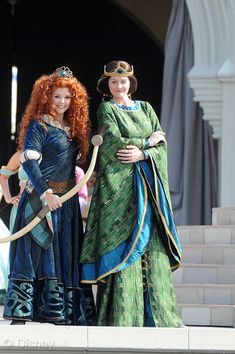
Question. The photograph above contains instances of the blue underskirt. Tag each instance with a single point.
(134, 247)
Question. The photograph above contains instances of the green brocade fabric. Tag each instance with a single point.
(143, 293)
(112, 213)
(120, 301)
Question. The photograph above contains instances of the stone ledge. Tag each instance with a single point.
(66, 339)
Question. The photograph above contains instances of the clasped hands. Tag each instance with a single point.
(133, 154)
(130, 154)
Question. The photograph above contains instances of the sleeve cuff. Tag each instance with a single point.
(42, 196)
(146, 144)
(30, 155)
(146, 155)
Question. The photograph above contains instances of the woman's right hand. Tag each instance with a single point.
(53, 201)
(156, 137)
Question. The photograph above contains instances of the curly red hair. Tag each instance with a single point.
(77, 115)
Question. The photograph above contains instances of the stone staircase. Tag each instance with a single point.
(205, 283)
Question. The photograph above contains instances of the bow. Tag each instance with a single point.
(97, 140)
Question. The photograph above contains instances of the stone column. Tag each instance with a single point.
(226, 76)
(213, 80)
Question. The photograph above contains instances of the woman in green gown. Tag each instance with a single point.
(131, 244)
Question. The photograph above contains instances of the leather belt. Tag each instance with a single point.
(61, 187)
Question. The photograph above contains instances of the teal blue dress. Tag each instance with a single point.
(4, 251)
(22, 179)
(4, 248)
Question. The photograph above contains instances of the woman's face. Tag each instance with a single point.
(61, 99)
(119, 86)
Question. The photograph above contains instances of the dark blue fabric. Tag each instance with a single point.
(163, 212)
(148, 315)
(46, 300)
(59, 155)
(30, 263)
(41, 233)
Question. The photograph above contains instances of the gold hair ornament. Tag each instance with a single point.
(119, 72)
(63, 71)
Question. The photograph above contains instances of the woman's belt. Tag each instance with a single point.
(58, 187)
(61, 187)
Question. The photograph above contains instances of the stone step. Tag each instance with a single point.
(223, 216)
(118, 340)
(209, 253)
(208, 315)
(207, 234)
(219, 294)
(204, 274)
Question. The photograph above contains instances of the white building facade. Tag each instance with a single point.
(213, 81)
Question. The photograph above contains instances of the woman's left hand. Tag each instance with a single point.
(15, 200)
(130, 155)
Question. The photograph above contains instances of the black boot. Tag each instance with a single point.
(18, 322)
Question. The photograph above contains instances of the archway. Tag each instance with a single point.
(83, 35)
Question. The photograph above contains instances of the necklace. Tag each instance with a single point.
(55, 123)
(60, 121)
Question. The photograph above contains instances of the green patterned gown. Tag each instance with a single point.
(131, 243)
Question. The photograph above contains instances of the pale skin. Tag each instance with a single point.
(12, 165)
(119, 87)
(61, 99)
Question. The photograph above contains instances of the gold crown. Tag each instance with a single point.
(119, 72)
(63, 71)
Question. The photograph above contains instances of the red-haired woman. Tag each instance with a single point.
(44, 268)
